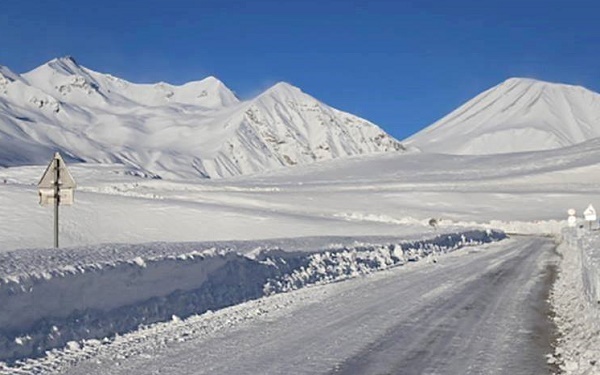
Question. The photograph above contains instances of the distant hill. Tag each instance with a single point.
(199, 129)
(517, 115)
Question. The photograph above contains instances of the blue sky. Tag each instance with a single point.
(401, 64)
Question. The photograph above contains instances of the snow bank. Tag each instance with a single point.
(54, 298)
(345, 262)
(535, 227)
(577, 303)
(590, 267)
(96, 301)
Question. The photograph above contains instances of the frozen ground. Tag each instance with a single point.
(361, 201)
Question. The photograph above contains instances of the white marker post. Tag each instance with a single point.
(590, 215)
(572, 219)
(56, 187)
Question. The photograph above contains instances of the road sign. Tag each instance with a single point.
(56, 187)
(47, 196)
(590, 213)
(65, 180)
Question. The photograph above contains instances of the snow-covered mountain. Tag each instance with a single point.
(196, 129)
(517, 115)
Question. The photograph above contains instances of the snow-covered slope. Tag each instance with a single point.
(196, 129)
(284, 126)
(69, 80)
(378, 195)
(517, 115)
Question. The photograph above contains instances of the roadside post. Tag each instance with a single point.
(572, 219)
(56, 187)
(590, 215)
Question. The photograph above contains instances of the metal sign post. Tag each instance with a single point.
(56, 187)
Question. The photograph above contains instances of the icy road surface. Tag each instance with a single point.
(482, 310)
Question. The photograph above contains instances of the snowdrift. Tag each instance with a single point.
(589, 246)
(51, 298)
(576, 301)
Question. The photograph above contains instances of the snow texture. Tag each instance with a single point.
(332, 323)
(590, 263)
(75, 294)
(576, 304)
(518, 115)
(142, 132)
(196, 130)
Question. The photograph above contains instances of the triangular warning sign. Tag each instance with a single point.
(590, 213)
(65, 180)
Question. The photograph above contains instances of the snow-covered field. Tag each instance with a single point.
(384, 195)
(341, 218)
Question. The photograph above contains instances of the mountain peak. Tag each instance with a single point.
(283, 90)
(532, 82)
(59, 67)
(283, 86)
(66, 64)
(520, 80)
(210, 91)
(518, 115)
(212, 80)
(68, 59)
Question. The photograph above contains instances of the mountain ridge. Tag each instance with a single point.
(197, 129)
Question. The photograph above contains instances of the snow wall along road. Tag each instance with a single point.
(588, 244)
(51, 297)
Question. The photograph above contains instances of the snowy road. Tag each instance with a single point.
(491, 324)
(478, 311)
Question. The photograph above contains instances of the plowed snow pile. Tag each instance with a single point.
(53, 297)
(576, 300)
